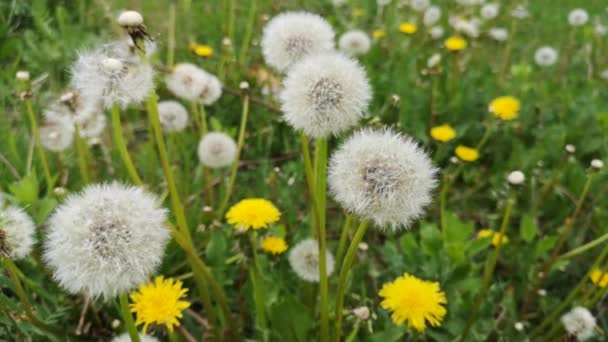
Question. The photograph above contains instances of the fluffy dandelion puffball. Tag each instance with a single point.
(160, 303)
(382, 176)
(57, 136)
(173, 116)
(304, 260)
(419, 5)
(431, 16)
(597, 164)
(578, 17)
(579, 323)
(466, 153)
(111, 79)
(505, 107)
(274, 245)
(217, 150)
(443, 133)
(325, 94)
(455, 43)
(433, 61)
(520, 12)
(436, 32)
(545, 56)
(415, 301)
(489, 11)
(93, 126)
(130, 18)
(354, 43)
(254, 213)
(290, 36)
(189, 82)
(17, 232)
(499, 34)
(516, 178)
(126, 338)
(106, 240)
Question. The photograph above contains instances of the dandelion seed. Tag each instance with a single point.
(253, 213)
(274, 245)
(382, 176)
(106, 240)
(408, 28)
(455, 43)
(22, 75)
(354, 43)
(578, 17)
(126, 338)
(519, 326)
(290, 36)
(466, 153)
(17, 232)
(173, 116)
(571, 149)
(217, 150)
(505, 107)
(545, 56)
(325, 94)
(516, 178)
(415, 301)
(304, 260)
(431, 16)
(579, 323)
(443, 133)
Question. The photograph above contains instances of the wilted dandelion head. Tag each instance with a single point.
(106, 240)
(325, 94)
(173, 116)
(192, 83)
(545, 56)
(57, 136)
(354, 43)
(304, 260)
(431, 15)
(126, 338)
(579, 323)
(505, 107)
(578, 17)
(489, 11)
(499, 34)
(253, 213)
(217, 150)
(382, 176)
(106, 77)
(16, 233)
(290, 36)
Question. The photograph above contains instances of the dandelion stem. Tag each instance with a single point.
(119, 141)
(344, 271)
(547, 189)
(489, 271)
(248, 33)
(128, 318)
(171, 35)
(207, 172)
(584, 248)
(320, 199)
(82, 159)
(40, 148)
(343, 237)
(235, 165)
(310, 181)
(259, 293)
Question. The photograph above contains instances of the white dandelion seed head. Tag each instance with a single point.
(106, 240)
(519, 326)
(304, 260)
(436, 32)
(431, 16)
(217, 150)
(17, 232)
(433, 61)
(489, 11)
(23, 75)
(579, 322)
(420, 5)
(499, 34)
(173, 116)
(325, 94)
(290, 36)
(570, 148)
(604, 74)
(57, 136)
(520, 12)
(597, 164)
(189, 82)
(382, 176)
(354, 43)
(361, 312)
(468, 27)
(545, 56)
(71, 108)
(600, 29)
(516, 178)
(213, 90)
(143, 338)
(130, 18)
(578, 17)
(92, 127)
(106, 78)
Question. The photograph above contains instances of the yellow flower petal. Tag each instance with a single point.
(505, 107)
(455, 43)
(408, 28)
(253, 213)
(443, 133)
(468, 154)
(274, 245)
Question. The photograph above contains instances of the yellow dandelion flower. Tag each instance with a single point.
(379, 33)
(159, 303)
(599, 278)
(253, 213)
(274, 245)
(497, 238)
(455, 43)
(468, 154)
(505, 107)
(203, 50)
(408, 28)
(443, 133)
(414, 300)
(358, 12)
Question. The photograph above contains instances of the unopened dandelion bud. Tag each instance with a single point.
(570, 148)
(597, 164)
(363, 247)
(516, 178)
(362, 313)
(395, 100)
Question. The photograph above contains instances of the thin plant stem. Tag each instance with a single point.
(344, 271)
(119, 142)
(41, 154)
(259, 293)
(486, 135)
(488, 272)
(343, 237)
(320, 199)
(203, 114)
(310, 181)
(82, 158)
(547, 189)
(584, 248)
(209, 195)
(248, 33)
(235, 165)
(128, 317)
(171, 35)
(508, 48)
